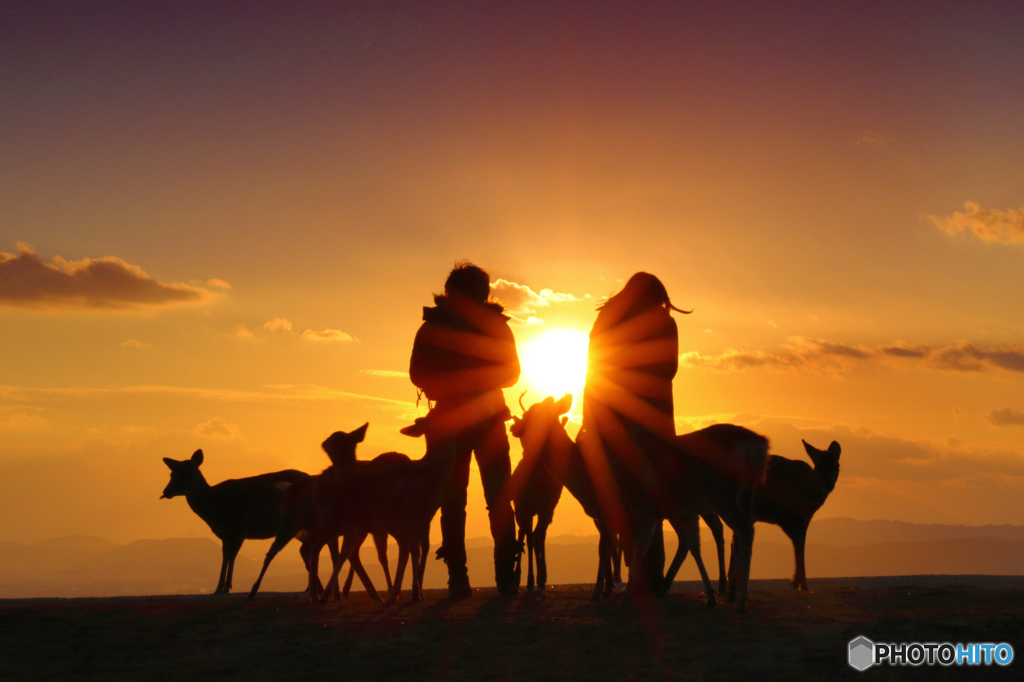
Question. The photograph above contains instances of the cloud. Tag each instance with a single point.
(97, 283)
(242, 332)
(877, 456)
(217, 428)
(1007, 417)
(18, 418)
(521, 301)
(278, 324)
(991, 225)
(391, 374)
(326, 335)
(135, 343)
(800, 353)
(218, 283)
(870, 139)
(818, 355)
(963, 356)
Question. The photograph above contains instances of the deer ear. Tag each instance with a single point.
(197, 457)
(564, 404)
(565, 420)
(359, 434)
(171, 463)
(834, 449)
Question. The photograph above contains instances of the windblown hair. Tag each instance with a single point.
(646, 291)
(470, 280)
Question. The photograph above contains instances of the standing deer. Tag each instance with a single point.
(790, 495)
(538, 495)
(299, 518)
(390, 494)
(235, 510)
(699, 475)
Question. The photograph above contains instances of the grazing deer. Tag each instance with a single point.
(235, 510)
(299, 519)
(700, 476)
(390, 494)
(790, 495)
(538, 495)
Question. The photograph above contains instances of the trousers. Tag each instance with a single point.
(488, 441)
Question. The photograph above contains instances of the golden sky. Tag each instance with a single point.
(219, 227)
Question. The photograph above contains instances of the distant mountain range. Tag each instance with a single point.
(82, 566)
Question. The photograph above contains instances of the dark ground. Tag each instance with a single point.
(560, 635)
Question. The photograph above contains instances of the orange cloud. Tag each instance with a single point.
(992, 226)
(217, 428)
(326, 335)
(278, 324)
(385, 373)
(520, 299)
(818, 355)
(99, 283)
(1007, 417)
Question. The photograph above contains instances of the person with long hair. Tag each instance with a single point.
(633, 356)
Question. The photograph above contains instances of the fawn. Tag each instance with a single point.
(390, 494)
(298, 518)
(235, 509)
(536, 494)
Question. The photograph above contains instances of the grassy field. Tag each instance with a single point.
(559, 634)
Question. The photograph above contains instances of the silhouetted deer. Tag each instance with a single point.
(538, 493)
(790, 495)
(390, 494)
(543, 434)
(235, 510)
(299, 518)
(699, 475)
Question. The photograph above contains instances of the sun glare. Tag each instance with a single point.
(554, 363)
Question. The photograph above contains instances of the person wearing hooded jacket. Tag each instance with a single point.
(463, 356)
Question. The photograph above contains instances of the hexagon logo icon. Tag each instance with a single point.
(862, 653)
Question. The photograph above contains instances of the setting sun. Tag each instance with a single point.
(555, 362)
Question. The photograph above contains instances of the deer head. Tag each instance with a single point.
(185, 475)
(826, 463)
(341, 446)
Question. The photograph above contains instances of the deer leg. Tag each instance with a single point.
(403, 559)
(313, 567)
(332, 548)
(743, 541)
(541, 533)
(799, 538)
(529, 556)
(361, 572)
(714, 524)
(417, 579)
(617, 567)
(680, 557)
(223, 566)
(347, 587)
(692, 535)
(380, 541)
(231, 563)
(349, 549)
(518, 570)
(602, 565)
(280, 541)
(733, 567)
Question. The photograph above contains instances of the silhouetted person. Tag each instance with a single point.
(632, 358)
(463, 355)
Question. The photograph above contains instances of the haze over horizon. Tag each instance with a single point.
(219, 225)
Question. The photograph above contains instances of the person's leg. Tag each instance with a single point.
(453, 525)
(492, 457)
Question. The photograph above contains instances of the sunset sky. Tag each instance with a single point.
(219, 223)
